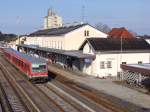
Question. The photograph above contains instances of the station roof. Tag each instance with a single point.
(27, 57)
(140, 68)
(114, 45)
(71, 53)
(56, 31)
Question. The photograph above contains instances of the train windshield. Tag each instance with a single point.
(38, 68)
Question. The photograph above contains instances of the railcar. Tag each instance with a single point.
(34, 68)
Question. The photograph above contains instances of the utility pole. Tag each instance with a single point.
(18, 21)
(121, 57)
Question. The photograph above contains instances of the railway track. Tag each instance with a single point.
(67, 107)
(34, 99)
(9, 98)
(70, 100)
(77, 98)
(89, 93)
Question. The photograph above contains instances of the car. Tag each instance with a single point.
(34, 68)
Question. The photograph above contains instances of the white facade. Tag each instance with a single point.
(69, 41)
(52, 20)
(108, 64)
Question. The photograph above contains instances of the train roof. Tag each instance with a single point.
(27, 57)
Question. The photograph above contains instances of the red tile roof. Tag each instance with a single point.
(120, 33)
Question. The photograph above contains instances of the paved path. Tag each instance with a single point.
(107, 86)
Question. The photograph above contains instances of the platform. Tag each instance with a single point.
(107, 86)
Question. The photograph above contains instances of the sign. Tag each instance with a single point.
(88, 61)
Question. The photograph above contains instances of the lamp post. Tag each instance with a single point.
(121, 57)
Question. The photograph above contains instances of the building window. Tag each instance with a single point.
(124, 62)
(102, 65)
(55, 45)
(90, 49)
(61, 45)
(86, 33)
(50, 44)
(109, 64)
(140, 62)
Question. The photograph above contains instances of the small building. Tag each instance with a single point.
(64, 38)
(112, 52)
(120, 33)
(135, 73)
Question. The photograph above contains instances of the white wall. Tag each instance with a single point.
(88, 68)
(56, 42)
(75, 38)
(88, 49)
(117, 59)
(148, 40)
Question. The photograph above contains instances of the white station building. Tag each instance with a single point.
(110, 54)
(63, 38)
(76, 47)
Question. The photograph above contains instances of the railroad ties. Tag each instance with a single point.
(12, 101)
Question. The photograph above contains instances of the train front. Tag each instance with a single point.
(39, 71)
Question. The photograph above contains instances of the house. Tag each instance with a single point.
(110, 53)
(146, 37)
(120, 33)
(64, 38)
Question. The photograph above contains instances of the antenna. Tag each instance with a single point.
(18, 21)
(83, 13)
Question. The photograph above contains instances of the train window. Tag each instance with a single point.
(38, 68)
(35, 69)
(42, 66)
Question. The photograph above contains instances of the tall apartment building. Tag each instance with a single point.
(52, 20)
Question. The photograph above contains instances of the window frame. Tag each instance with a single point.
(140, 62)
(102, 64)
(124, 63)
(109, 64)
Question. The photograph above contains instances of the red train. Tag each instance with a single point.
(34, 68)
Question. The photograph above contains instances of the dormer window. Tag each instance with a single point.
(86, 33)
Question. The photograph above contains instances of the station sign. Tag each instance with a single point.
(88, 61)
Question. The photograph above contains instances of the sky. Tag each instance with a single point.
(26, 16)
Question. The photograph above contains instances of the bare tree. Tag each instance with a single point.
(102, 27)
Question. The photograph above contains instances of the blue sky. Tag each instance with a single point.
(26, 16)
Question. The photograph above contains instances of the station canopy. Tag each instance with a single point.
(71, 53)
